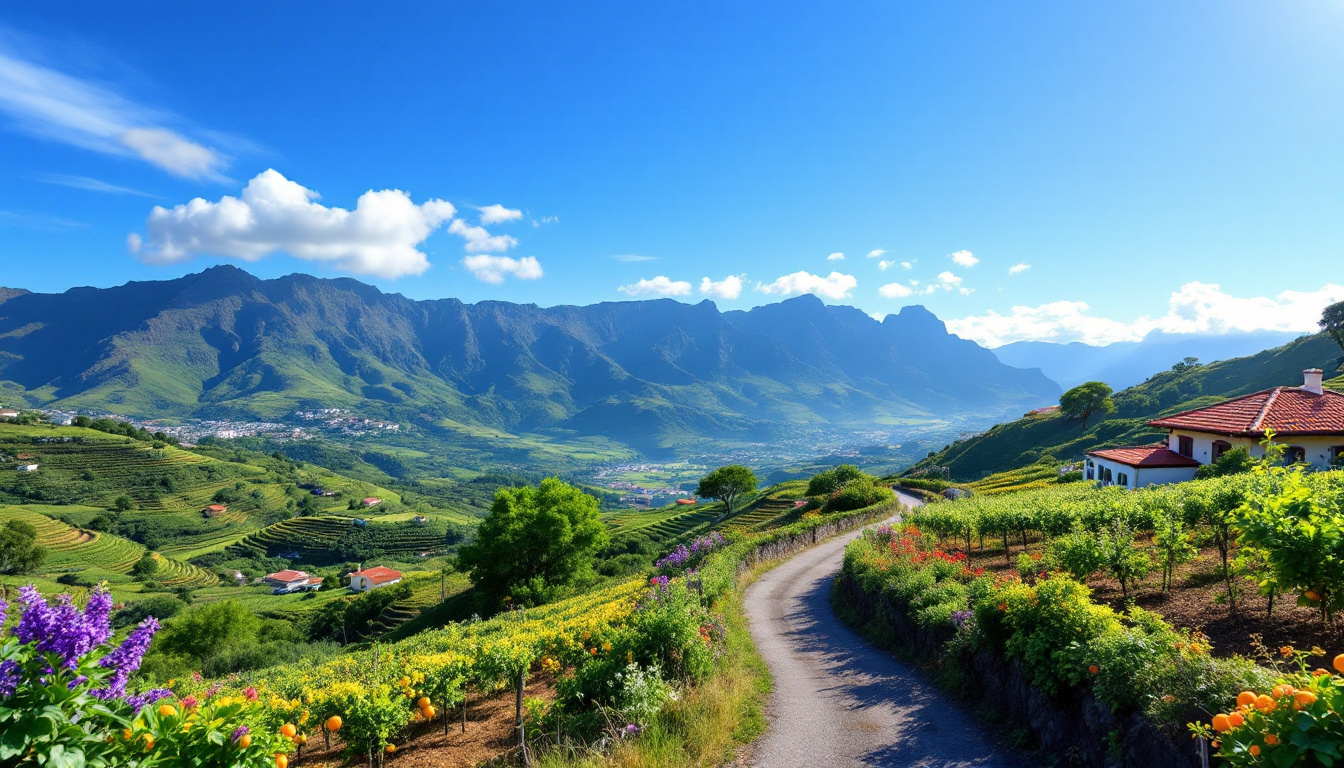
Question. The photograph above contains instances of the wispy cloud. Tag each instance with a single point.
(1018, 269)
(634, 257)
(479, 240)
(876, 253)
(837, 256)
(498, 214)
(494, 269)
(59, 107)
(38, 221)
(92, 185)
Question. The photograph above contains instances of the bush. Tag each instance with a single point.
(832, 480)
(857, 494)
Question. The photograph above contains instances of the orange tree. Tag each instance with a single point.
(1299, 533)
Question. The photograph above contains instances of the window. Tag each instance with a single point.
(1219, 448)
(1123, 479)
(1106, 475)
(1294, 454)
(1091, 469)
(1185, 445)
(1336, 455)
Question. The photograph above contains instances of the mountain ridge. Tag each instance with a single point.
(224, 343)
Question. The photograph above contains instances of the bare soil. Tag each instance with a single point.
(490, 733)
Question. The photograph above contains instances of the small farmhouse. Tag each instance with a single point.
(1307, 420)
(287, 581)
(373, 578)
(216, 509)
(8, 413)
(26, 467)
(372, 501)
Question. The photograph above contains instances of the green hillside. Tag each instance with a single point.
(1053, 438)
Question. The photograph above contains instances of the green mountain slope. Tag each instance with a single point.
(1036, 437)
(223, 343)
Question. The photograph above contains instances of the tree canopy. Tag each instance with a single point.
(832, 480)
(726, 484)
(1332, 322)
(1085, 400)
(536, 541)
(19, 550)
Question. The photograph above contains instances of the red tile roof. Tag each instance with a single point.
(378, 574)
(1145, 456)
(1286, 410)
(286, 576)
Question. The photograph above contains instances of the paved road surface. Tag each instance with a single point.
(838, 701)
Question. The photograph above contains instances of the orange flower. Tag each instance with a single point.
(1093, 669)
(1303, 699)
(1264, 703)
(1286, 651)
(1246, 698)
(1254, 750)
(1271, 739)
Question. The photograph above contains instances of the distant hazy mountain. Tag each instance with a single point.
(1127, 363)
(225, 343)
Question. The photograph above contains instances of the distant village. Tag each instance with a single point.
(190, 431)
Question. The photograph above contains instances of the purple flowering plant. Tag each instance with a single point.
(65, 700)
(686, 556)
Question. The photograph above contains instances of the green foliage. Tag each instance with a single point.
(1123, 561)
(1078, 553)
(123, 503)
(19, 550)
(1172, 540)
(1332, 322)
(145, 568)
(857, 494)
(1235, 461)
(1301, 535)
(536, 541)
(205, 631)
(1085, 400)
(726, 484)
(161, 607)
(832, 480)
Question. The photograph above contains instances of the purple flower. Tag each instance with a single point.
(239, 733)
(4, 609)
(9, 677)
(960, 618)
(126, 658)
(139, 700)
(632, 729)
(63, 629)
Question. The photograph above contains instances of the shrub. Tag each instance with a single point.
(857, 494)
(832, 480)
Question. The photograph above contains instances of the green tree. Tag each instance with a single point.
(145, 568)
(1123, 561)
(1085, 400)
(123, 504)
(726, 484)
(832, 480)
(1332, 322)
(536, 541)
(19, 550)
(204, 631)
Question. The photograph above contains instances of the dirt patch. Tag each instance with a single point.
(490, 733)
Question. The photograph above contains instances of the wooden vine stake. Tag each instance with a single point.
(518, 710)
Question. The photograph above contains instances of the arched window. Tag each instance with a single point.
(1185, 445)
(1091, 470)
(1106, 474)
(1219, 448)
(1123, 479)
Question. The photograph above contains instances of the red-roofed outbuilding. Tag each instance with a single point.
(373, 578)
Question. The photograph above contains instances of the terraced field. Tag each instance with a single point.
(313, 538)
(666, 523)
(97, 556)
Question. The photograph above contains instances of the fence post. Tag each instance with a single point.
(518, 708)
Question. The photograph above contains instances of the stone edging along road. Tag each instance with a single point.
(838, 701)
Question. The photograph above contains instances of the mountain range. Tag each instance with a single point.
(1126, 363)
(225, 344)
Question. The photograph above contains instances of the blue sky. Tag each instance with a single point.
(1145, 166)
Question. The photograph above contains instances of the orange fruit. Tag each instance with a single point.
(1246, 698)
(1221, 723)
(1092, 669)
(1303, 699)
(1271, 739)
(245, 741)
(1254, 750)
(390, 748)
(281, 760)
(428, 712)
(1339, 663)
(1236, 719)
(1312, 596)
(1283, 690)
(334, 723)
(423, 702)
(288, 730)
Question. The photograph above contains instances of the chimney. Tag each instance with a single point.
(1311, 380)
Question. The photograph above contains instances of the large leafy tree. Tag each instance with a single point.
(1332, 322)
(19, 550)
(535, 541)
(1086, 400)
(726, 484)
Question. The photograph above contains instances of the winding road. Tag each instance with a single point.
(838, 701)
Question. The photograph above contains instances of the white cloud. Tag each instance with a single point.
(1195, 308)
(876, 253)
(963, 259)
(1018, 269)
(884, 265)
(58, 107)
(276, 215)
(837, 256)
(949, 280)
(498, 214)
(658, 286)
(493, 269)
(834, 286)
(894, 291)
(479, 240)
(907, 265)
(729, 287)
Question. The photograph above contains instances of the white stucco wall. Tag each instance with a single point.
(1160, 475)
(1318, 449)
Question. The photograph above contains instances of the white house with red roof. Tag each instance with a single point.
(373, 578)
(1307, 420)
(287, 581)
